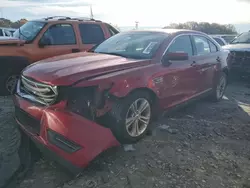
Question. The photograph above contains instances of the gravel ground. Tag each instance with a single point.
(204, 145)
(9, 141)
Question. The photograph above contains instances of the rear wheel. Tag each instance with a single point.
(220, 87)
(131, 116)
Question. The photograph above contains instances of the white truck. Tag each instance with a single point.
(6, 32)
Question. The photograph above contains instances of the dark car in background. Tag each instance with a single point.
(223, 39)
(239, 56)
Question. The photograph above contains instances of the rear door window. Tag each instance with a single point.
(202, 45)
(213, 47)
(91, 33)
(182, 44)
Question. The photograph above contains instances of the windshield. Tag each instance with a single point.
(138, 45)
(242, 38)
(29, 30)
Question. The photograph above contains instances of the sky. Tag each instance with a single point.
(154, 13)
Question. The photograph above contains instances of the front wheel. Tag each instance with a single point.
(131, 116)
(220, 87)
(8, 83)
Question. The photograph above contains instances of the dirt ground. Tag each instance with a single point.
(204, 145)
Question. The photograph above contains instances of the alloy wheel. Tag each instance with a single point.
(138, 117)
(221, 87)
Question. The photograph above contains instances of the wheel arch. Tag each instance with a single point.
(147, 90)
(152, 94)
(19, 62)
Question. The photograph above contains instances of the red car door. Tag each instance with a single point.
(181, 79)
(206, 57)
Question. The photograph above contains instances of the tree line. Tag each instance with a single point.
(8, 23)
(209, 28)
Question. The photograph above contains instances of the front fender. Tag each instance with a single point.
(121, 83)
(123, 87)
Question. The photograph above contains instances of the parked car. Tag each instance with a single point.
(228, 38)
(239, 56)
(11, 30)
(77, 105)
(219, 40)
(44, 38)
(5, 32)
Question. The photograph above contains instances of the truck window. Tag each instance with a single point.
(91, 33)
(112, 30)
(60, 34)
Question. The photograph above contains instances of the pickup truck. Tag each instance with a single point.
(45, 38)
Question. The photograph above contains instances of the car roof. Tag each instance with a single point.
(66, 18)
(167, 31)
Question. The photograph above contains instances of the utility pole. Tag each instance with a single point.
(91, 13)
(1, 11)
(136, 24)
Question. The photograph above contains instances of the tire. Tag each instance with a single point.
(122, 110)
(6, 79)
(221, 83)
(11, 66)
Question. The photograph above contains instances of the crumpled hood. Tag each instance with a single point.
(70, 68)
(11, 40)
(237, 47)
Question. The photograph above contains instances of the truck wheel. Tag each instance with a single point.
(131, 116)
(8, 83)
(219, 88)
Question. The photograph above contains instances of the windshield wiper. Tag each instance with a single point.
(240, 43)
(112, 53)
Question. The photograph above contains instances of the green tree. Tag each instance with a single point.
(8, 23)
(213, 28)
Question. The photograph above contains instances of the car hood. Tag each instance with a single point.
(10, 40)
(237, 47)
(68, 69)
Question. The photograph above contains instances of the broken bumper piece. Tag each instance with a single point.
(68, 138)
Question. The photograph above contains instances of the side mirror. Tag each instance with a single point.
(174, 56)
(44, 42)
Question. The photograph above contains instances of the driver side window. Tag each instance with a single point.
(59, 34)
(182, 44)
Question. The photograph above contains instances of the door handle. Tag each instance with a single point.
(75, 50)
(193, 64)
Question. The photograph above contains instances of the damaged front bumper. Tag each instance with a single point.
(70, 139)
